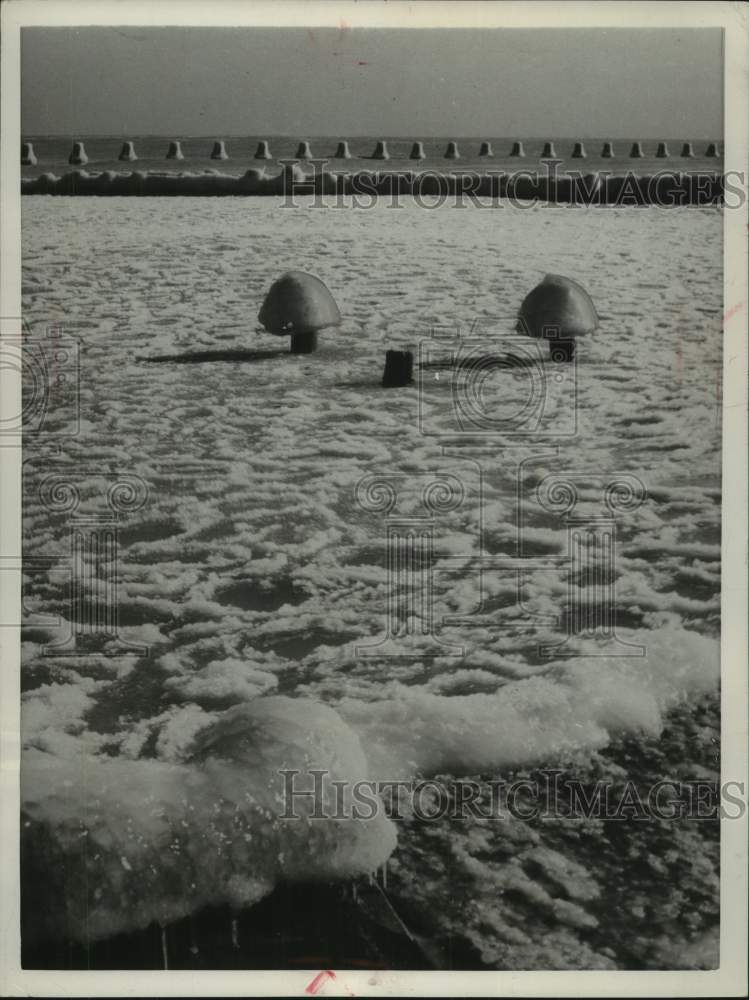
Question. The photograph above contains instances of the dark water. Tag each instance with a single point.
(103, 151)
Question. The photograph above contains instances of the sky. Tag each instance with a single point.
(581, 83)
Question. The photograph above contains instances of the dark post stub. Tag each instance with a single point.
(398, 369)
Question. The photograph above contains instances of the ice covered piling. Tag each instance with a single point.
(131, 843)
(549, 150)
(398, 369)
(486, 149)
(219, 151)
(417, 151)
(263, 151)
(712, 149)
(517, 149)
(662, 151)
(78, 154)
(608, 151)
(687, 150)
(342, 151)
(635, 152)
(28, 156)
(127, 152)
(175, 151)
(297, 306)
(303, 152)
(381, 151)
(559, 309)
(452, 152)
(578, 153)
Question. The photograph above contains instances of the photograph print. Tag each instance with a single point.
(372, 437)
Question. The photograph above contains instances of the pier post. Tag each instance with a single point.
(304, 343)
(562, 351)
(398, 369)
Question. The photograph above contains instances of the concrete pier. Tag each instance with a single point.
(578, 153)
(381, 151)
(78, 154)
(263, 151)
(417, 151)
(28, 156)
(687, 150)
(662, 151)
(452, 152)
(517, 149)
(548, 151)
(219, 151)
(636, 152)
(712, 149)
(127, 152)
(486, 149)
(175, 151)
(608, 151)
(342, 151)
(303, 152)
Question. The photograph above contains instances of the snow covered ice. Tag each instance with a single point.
(252, 576)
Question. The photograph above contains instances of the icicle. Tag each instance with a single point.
(164, 949)
(194, 949)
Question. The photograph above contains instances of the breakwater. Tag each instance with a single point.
(664, 188)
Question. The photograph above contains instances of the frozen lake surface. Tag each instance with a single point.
(252, 573)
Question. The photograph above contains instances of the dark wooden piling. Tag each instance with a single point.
(398, 369)
(562, 351)
(304, 343)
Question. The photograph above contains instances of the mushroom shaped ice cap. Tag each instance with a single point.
(559, 307)
(296, 303)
